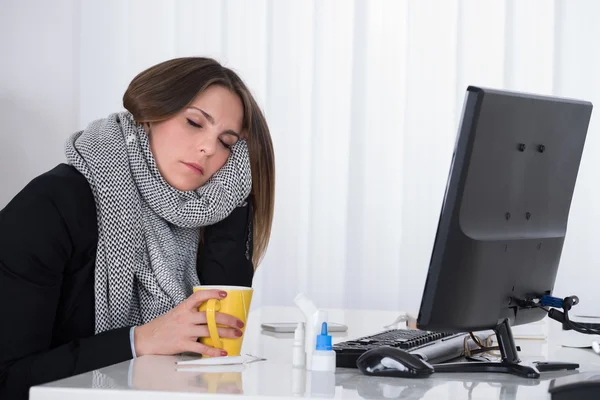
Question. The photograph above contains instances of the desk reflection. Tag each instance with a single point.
(163, 374)
(396, 388)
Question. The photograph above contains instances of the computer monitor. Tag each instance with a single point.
(504, 218)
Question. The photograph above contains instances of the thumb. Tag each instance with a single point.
(200, 296)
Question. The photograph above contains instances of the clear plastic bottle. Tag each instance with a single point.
(298, 352)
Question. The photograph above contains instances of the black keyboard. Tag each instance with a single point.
(444, 346)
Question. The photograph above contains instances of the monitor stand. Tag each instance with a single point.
(510, 364)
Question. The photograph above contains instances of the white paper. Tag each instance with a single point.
(228, 360)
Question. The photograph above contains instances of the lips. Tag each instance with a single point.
(195, 167)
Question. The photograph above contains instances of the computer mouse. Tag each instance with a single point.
(390, 361)
(581, 386)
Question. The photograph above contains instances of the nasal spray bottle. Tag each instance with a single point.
(323, 358)
(314, 321)
(322, 375)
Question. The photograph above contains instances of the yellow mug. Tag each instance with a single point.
(237, 303)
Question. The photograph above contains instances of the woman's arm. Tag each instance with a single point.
(37, 237)
(225, 254)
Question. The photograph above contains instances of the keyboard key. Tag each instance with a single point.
(405, 339)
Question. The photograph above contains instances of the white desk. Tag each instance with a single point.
(156, 377)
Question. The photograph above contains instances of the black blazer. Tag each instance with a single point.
(48, 240)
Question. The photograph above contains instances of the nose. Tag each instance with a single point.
(207, 145)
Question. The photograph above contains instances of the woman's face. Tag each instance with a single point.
(192, 145)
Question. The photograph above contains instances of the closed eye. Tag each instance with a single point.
(227, 146)
(192, 123)
(196, 125)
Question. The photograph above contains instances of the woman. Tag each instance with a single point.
(98, 257)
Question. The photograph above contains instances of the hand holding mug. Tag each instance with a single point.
(178, 330)
(236, 304)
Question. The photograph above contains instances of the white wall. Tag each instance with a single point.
(363, 99)
(39, 87)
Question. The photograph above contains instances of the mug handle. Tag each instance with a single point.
(212, 306)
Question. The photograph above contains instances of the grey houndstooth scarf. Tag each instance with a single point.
(148, 231)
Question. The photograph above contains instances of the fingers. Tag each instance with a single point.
(228, 320)
(229, 333)
(221, 319)
(202, 331)
(200, 296)
(207, 350)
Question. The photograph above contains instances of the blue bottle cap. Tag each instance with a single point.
(324, 340)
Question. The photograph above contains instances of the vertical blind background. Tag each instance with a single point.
(363, 99)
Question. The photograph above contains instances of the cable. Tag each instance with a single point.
(578, 327)
(563, 316)
(542, 307)
(567, 304)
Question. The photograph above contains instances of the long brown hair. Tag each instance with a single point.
(163, 90)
